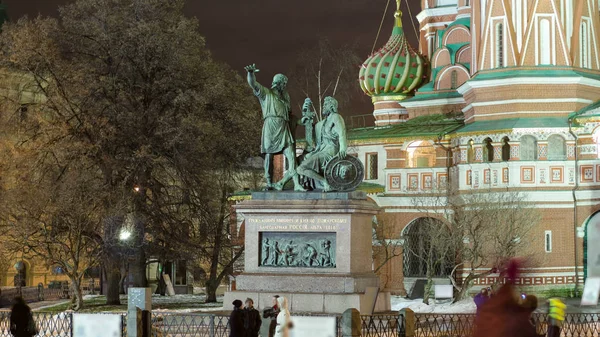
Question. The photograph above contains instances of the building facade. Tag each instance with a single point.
(503, 95)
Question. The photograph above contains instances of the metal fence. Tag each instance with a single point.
(378, 325)
(40, 293)
(189, 325)
(462, 325)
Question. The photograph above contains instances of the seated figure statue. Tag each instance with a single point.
(331, 142)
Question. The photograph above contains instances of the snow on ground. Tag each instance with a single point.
(466, 306)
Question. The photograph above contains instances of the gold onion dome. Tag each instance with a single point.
(396, 69)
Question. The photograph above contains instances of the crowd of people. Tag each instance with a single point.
(245, 321)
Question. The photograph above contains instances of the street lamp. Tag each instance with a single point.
(125, 234)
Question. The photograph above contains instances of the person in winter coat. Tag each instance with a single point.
(284, 324)
(236, 320)
(21, 320)
(252, 321)
(272, 314)
(481, 298)
(504, 315)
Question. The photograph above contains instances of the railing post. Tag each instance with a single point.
(211, 326)
(40, 292)
(408, 316)
(351, 323)
(139, 303)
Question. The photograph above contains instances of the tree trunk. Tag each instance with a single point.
(138, 269)
(113, 278)
(464, 290)
(211, 290)
(428, 287)
(77, 300)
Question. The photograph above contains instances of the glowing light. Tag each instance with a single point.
(136, 188)
(125, 235)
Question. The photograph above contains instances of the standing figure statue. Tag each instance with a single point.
(325, 255)
(276, 133)
(266, 251)
(274, 258)
(331, 142)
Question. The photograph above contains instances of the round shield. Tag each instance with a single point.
(344, 174)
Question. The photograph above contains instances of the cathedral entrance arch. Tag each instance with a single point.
(592, 251)
(424, 250)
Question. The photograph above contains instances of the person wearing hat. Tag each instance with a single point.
(252, 321)
(271, 313)
(236, 320)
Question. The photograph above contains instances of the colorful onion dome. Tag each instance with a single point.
(396, 69)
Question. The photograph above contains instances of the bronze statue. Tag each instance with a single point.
(276, 133)
(331, 142)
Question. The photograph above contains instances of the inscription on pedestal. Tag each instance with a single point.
(297, 249)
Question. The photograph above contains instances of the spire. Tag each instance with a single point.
(398, 15)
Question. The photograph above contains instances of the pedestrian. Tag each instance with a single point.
(252, 321)
(21, 320)
(284, 323)
(504, 315)
(236, 320)
(481, 298)
(272, 313)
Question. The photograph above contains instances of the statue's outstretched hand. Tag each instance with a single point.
(251, 68)
(342, 154)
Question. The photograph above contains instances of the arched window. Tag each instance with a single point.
(557, 149)
(499, 45)
(528, 148)
(470, 151)
(421, 243)
(453, 79)
(421, 154)
(545, 47)
(505, 149)
(488, 151)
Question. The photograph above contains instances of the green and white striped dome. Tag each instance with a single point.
(396, 70)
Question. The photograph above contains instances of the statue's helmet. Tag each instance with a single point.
(280, 80)
(330, 105)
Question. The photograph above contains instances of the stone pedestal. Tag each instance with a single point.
(314, 248)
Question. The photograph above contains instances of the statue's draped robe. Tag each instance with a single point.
(276, 133)
(331, 131)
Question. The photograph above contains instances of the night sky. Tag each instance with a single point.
(271, 33)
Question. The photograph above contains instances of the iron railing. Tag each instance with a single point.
(462, 325)
(382, 325)
(377, 325)
(48, 324)
(450, 325)
(189, 325)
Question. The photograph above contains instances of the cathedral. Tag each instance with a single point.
(501, 96)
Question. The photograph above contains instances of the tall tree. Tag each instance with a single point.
(325, 70)
(130, 87)
(482, 231)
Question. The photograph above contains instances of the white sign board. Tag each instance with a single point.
(305, 326)
(97, 325)
(444, 291)
(591, 291)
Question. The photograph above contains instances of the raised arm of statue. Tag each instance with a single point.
(258, 89)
